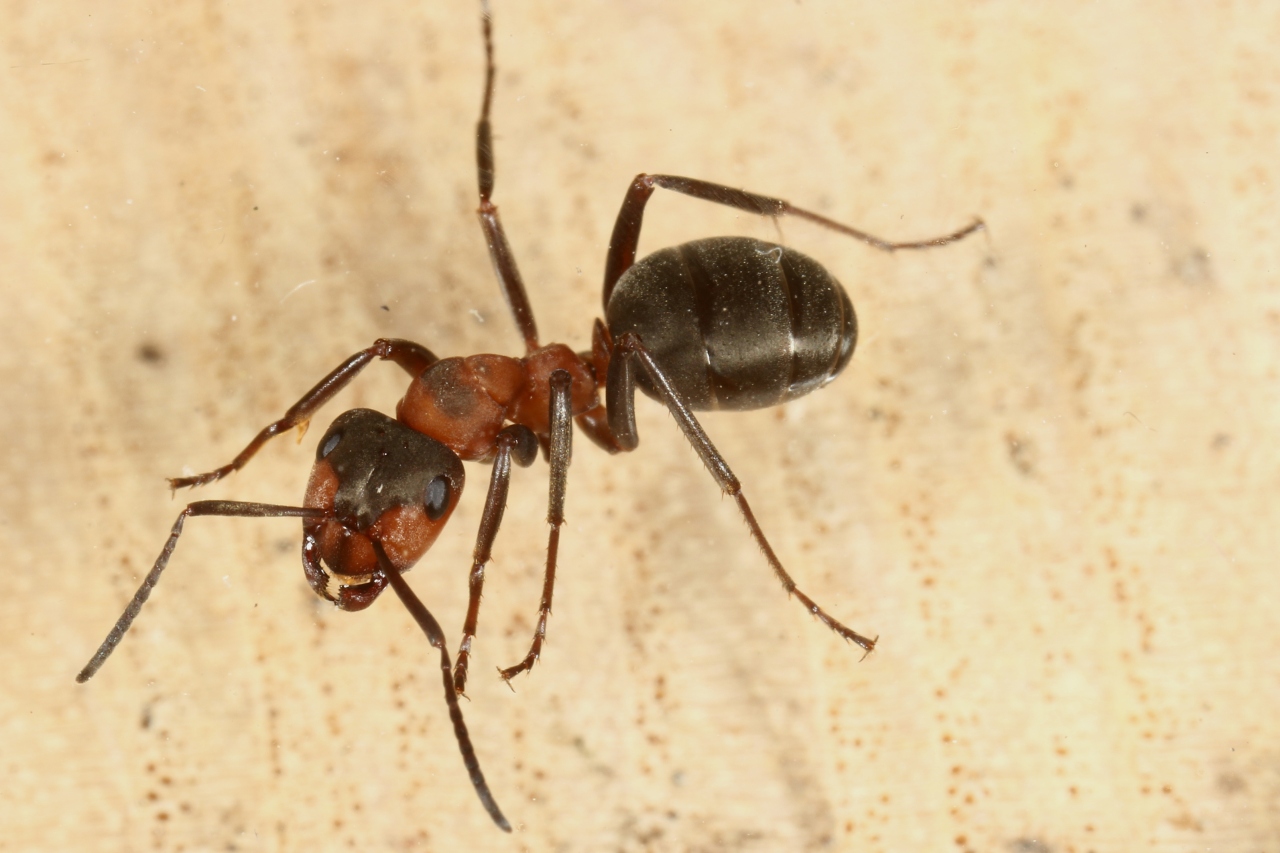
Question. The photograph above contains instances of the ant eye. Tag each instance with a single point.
(329, 444)
(436, 499)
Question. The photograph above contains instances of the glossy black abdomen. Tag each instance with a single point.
(736, 323)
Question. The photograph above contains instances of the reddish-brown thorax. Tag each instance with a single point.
(464, 402)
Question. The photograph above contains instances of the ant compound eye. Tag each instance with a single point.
(436, 498)
(329, 444)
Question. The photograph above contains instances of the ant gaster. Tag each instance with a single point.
(721, 323)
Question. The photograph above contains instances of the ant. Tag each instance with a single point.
(721, 323)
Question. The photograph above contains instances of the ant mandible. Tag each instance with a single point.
(721, 323)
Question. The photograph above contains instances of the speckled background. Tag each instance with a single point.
(1048, 481)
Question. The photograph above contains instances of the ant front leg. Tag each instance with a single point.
(620, 393)
(626, 230)
(516, 442)
(560, 454)
(414, 358)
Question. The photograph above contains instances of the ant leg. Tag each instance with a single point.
(504, 260)
(626, 230)
(414, 358)
(594, 423)
(561, 453)
(435, 636)
(238, 509)
(620, 402)
(520, 442)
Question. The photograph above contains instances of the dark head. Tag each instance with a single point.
(379, 480)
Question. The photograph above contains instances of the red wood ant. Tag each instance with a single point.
(721, 323)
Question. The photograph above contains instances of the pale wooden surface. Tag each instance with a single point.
(1049, 479)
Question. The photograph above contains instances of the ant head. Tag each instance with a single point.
(378, 480)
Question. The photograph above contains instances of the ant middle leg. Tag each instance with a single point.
(504, 260)
(560, 454)
(626, 229)
(620, 392)
(413, 358)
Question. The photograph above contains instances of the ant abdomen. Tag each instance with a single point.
(735, 322)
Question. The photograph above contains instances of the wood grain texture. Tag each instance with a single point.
(1048, 481)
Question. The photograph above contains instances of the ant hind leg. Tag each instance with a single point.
(620, 394)
(626, 229)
